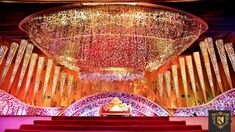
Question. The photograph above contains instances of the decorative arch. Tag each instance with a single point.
(89, 106)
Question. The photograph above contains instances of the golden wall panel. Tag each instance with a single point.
(18, 59)
(9, 59)
(220, 47)
(3, 51)
(55, 80)
(160, 84)
(27, 57)
(40, 65)
(206, 60)
(196, 56)
(184, 78)
(62, 83)
(230, 52)
(189, 63)
(70, 87)
(211, 50)
(47, 76)
(175, 82)
(167, 77)
(32, 64)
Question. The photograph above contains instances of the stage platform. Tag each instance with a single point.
(103, 123)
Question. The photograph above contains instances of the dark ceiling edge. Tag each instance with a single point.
(75, 1)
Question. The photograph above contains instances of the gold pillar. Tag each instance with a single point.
(18, 59)
(230, 52)
(189, 63)
(32, 64)
(78, 93)
(40, 65)
(75, 88)
(175, 82)
(160, 86)
(3, 51)
(62, 83)
(70, 86)
(55, 80)
(184, 78)
(167, 77)
(211, 50)
(27, 56)
(206, 60)
(47, 77)
(196, 56)
(220, 47)
(9, 59)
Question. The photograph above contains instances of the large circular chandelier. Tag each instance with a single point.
(112, 39)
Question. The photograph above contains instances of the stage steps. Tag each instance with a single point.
(119, 122)
(158, 118)
(92, 124)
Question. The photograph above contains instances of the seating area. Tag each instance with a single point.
(72, 124)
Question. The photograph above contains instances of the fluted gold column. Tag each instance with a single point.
(40, 65)
(230, 52)
(55, 80)
(220, 47)
(62, 83)
(189, 63)
(184, 78)
(160, 84)
(211, 50)
(32, 64)
(175, 82)
(3, 51)
(74, 89)
(78, 93)
(47, 77)
(27, 56)
(206, 60)
(167, 77)
(18, 59)
(196, 56)
(9, 59)
(70, 86)
(154, 86)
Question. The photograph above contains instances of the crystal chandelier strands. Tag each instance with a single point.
(92, 38)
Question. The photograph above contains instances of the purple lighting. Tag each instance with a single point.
(226, 101)
(10, 105)
(89, 106)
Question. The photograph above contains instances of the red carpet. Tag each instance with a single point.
(76, 124)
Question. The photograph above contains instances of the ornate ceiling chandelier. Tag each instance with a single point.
(114, 41)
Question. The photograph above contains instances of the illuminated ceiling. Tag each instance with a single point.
(105, 38)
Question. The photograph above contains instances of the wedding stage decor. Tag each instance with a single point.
(94, 52)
